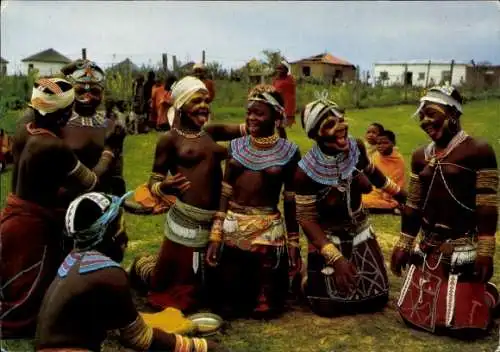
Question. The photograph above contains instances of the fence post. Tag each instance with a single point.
(174, 58)
(164, 58)
(427, 75)
(405, 83)
(203, 57)
(84, 53)
(451, 71)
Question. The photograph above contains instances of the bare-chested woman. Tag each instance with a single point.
(453, 203)
(30, 224)
(189, 153)
(251, 277)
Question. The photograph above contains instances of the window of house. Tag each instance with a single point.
(384, 75)
(421, 76)
(306, 71)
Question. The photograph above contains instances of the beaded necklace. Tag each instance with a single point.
(330, 170)
(189, 135)
(261, 153)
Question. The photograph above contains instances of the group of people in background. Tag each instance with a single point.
(228, 246)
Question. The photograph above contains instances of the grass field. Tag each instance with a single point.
(299, 330)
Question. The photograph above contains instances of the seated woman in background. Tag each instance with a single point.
(371, 137)
(91, 295)
(392, 164)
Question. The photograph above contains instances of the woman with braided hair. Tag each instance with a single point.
(453, 203)
(345, 268)
(31, 222)
(91, 294)
(249, 246)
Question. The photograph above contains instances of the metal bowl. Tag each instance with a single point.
(206, 323)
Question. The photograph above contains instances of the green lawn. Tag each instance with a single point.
(300, 330)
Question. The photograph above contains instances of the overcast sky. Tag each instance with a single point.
(234, 32)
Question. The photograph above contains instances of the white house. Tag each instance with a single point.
(47, 62)
(420, 73)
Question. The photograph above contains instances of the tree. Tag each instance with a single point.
(273, 58)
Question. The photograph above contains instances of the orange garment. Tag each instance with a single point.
(156, 94)
(163, 107)
(211, 89)
(392, 166)
(286, 87)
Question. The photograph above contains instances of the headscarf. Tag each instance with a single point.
(443, 95)
(90, 237)
(262, 93)
(49, 96)
(85, 72)
(182, 91)
(316, 110)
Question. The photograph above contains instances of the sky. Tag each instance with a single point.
(232, 33)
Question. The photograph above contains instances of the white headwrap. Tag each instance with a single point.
(56, 99)
(440, 95)
(182, 91)
(315, 110)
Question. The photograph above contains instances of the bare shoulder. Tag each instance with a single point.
(113, 278)
(167, 139)
(303, 183)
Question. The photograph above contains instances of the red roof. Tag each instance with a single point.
(325, 58)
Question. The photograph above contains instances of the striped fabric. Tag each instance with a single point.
(259, 159)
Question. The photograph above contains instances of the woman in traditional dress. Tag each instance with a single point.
(190, 154)
(251, 274)
(345, 267)
(91, 295)
(31, 223)
(453, 203)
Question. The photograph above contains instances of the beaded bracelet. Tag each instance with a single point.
(405, 242)
(331, 253)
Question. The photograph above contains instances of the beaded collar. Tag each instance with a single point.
(95, 121)
(330, 170)
(189, 135)
(246, 153)
(430, 151)
(90, 261)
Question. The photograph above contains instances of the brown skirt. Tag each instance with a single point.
(372, 288)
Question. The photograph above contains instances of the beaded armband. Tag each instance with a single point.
(138, 334)
(390, 187)
(486, 246)
(414, 192)
(227, 190)
(186, 344)
(487, 180)
(405, 242)
(331, 253)
(293, 239)
(306, 207)
(84, 176)
(156, 181)
(288, 196)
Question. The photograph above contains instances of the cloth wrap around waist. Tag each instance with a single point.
(245, 227)
(188, 225)
(451, 248)
(353, 231)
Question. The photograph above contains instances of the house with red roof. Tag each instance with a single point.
(325, 67)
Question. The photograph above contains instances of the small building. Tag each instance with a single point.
(325, 67)
(47, 62)
(3, 66)
(125, 67)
